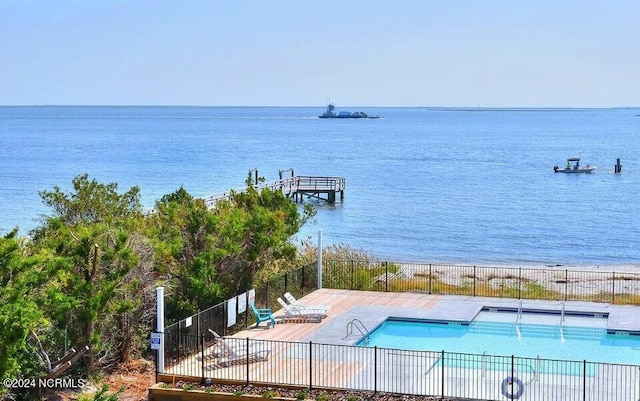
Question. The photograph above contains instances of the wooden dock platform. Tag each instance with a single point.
(297, 188)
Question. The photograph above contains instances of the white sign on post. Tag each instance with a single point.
(242, 302)
(231, 311)
(155, 340)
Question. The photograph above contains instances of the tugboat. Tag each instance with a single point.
(331, 113)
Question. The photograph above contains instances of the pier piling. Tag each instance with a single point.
(618, 167)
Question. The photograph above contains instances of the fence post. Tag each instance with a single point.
(351, 286)
(248, 353)
(375, 369)
(310, 366)
(224, 316)
(179, 343)
(160, 327)
(246, 311)
(429, 278)
(442, 377)
(198, 322)
(474, 280)
(613, 290)
(584, 380)
(566, 283)
(302, 281)
(286, 282)
(519, 282)
(386, 277)
(319, 259)
(513, 377)
(202, 356)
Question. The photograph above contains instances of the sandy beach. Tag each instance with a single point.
(576, 279)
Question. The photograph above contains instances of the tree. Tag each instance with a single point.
(24, 277)
(211, 254)
(92, 202)
(106, 265)
(184, 231)
(261, 222)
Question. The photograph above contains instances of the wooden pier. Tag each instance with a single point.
(297, 188)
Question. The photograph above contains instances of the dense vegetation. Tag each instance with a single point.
(86, 276)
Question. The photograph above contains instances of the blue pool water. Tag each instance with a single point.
(548, 341)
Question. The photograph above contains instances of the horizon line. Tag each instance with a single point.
(286, 106)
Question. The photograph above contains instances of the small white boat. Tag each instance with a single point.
(573, 167)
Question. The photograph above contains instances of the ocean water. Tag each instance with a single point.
(422, 184)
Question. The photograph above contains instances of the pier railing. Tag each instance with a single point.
(314, 183)
(446, 375)
(290, 187)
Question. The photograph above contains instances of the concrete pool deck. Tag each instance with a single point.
(302, 354)
(372, 308)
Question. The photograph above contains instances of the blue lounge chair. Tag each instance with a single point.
(263, 315)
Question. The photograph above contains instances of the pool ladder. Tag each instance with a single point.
(361, 328)
(517, 322)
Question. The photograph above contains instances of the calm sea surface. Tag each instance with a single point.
(432, 185)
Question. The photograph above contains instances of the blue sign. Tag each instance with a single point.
(155, 340)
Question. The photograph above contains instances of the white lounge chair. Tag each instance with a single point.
(291, 313)
(299, 305)
(228, 354)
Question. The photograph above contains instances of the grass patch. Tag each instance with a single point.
(502, 291)
(533, 290)
(496, 286)
(626, 299)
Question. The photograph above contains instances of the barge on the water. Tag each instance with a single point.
(331, 113)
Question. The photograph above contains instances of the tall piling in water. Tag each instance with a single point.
(618, 167)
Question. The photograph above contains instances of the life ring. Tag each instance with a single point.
(512, 383)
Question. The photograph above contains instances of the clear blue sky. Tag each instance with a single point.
(501, 53)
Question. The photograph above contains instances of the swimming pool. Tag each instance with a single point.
(577, 339)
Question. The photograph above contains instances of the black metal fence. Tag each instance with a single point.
(432, 373)
(183, 338)
(504, 282)
(189, 345)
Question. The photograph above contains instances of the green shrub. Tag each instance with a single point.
(102, 395)
(322, 397)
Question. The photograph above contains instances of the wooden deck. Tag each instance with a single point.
(319, 355)
(294, 359)
(296, 187)
(339, 302)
